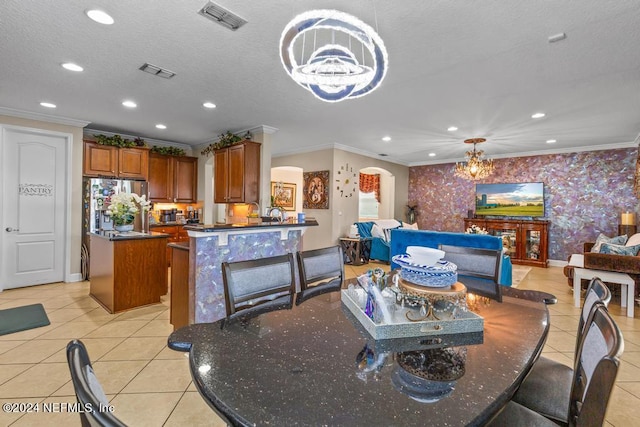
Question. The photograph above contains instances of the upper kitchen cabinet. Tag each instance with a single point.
(237, 173)
(173, 179)
(110, 161)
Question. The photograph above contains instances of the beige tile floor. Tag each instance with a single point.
(150, 385)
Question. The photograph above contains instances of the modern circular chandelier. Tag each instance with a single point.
(333, 55)
(476, 167)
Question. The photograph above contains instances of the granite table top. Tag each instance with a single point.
(315, 365)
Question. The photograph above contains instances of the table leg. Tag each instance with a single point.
(631, 291)
(624, 289)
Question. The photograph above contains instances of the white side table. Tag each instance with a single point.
(627, 285)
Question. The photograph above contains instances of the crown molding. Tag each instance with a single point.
(43, 117)
(339, 147)
(262, 128)
(538, 153)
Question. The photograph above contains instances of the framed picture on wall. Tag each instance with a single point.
(283, 195)
(316, 190)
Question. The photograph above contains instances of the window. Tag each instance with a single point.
(368, 206)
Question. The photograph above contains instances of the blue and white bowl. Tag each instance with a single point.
(440, 275)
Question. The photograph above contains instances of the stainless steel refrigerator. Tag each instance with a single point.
(96, 199)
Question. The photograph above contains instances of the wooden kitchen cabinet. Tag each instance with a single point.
(180, 313)
(108, 161)
(173, 179)
(127, 273)
(525, 241)
(237, 173)
(177, 234)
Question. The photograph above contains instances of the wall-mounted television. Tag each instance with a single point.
(517, 199)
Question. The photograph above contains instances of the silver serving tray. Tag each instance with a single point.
(400, 326)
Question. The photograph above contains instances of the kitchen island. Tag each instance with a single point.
(211, 245)
(128, 270)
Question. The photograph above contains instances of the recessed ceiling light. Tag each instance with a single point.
(48, 105)
(551, 141)
(432, 154)
(129, 104)
(161, 126)
(209, 105)
(538, 115)
(386, 138)
(72, 67)
(100, 16)
(452, 128)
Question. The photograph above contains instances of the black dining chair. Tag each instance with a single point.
(478, 269)
(546, 389)
(321, 271)
(88, 390)
(258, 286)
(593, 378)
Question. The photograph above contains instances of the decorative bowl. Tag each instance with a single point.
(425, 256)
(440, 275)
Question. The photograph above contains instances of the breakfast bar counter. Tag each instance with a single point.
(212, 244)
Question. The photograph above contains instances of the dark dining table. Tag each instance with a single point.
(315, 365)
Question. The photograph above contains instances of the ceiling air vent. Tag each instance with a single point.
(222, 16)
(157, 71)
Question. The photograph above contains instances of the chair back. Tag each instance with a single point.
(478, 269)
(257, 286)
(88, 390)
(596, 368)
(321, 271)
(597, 291)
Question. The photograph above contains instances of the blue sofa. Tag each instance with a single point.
(401, 238)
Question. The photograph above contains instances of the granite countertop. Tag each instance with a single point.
(222, 227)
(179, 245)
(130, 235)
(165, 224)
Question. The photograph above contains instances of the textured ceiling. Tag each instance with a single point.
(484, 67)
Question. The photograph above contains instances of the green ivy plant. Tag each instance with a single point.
(118, 141)
(225, 140)
(168, 151)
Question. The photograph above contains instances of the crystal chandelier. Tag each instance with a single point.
(475, 167)
(333, 55)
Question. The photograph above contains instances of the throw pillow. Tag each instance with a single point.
(376, 231)
(609, 248)
(387, 233)
(634, 240)
(618, 240)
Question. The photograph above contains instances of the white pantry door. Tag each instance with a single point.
(33, 207)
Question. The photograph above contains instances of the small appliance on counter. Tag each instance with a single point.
(192, 215)
(168, 215)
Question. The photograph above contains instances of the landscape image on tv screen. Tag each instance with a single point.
(522, 199)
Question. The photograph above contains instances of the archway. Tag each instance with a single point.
(368, 207)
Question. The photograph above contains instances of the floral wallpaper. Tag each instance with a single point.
(585, 194)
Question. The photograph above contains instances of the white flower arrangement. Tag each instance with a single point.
(474, 229)
(123, 207)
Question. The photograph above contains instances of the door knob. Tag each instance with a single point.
(9, 229)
